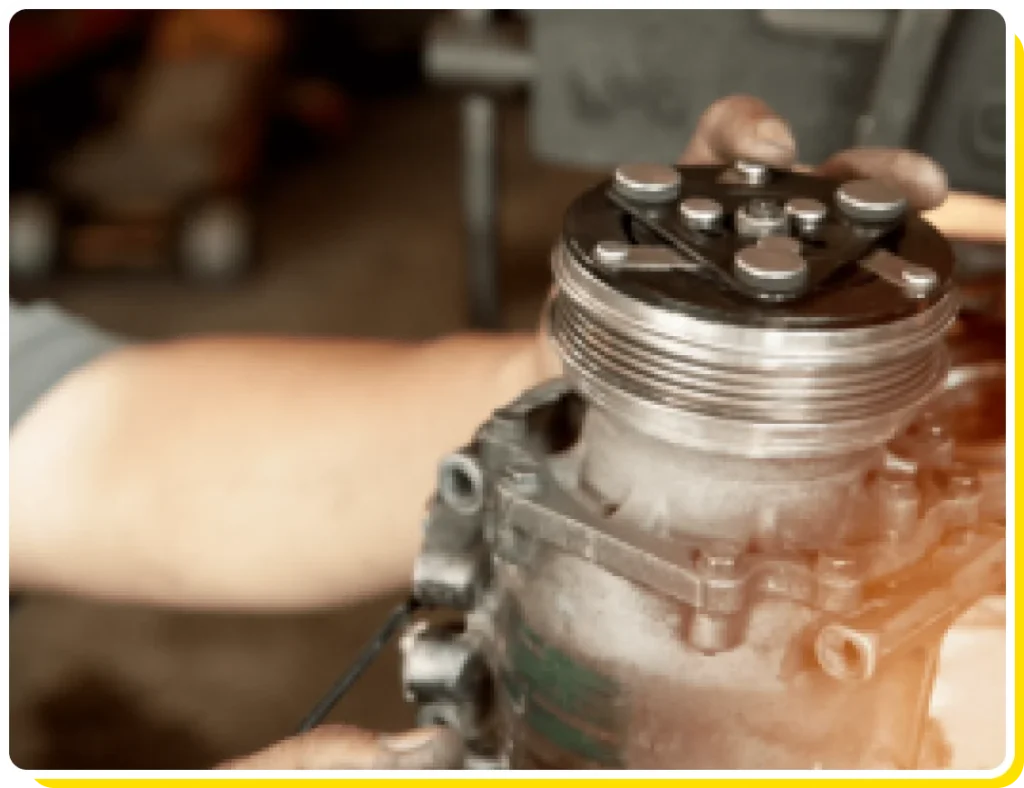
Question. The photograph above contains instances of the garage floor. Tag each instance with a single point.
(366, 243)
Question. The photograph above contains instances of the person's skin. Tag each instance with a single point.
(338, 747)
(288, 474)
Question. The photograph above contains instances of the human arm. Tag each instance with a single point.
(246, 472)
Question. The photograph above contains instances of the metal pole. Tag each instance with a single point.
(480, 197)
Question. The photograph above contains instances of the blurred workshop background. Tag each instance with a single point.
(393, 174)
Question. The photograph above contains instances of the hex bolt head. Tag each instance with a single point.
(870, 200)
(647, 183)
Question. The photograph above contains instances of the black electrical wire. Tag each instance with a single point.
(371, 650)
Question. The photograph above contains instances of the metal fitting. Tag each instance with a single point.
(870, 200)
(807, 215)
(846, 654)
(753, 173)
(648, 183)
(701, 213)
(916, 281)
(771, 270)
(450, 580)
(759, 218)
(461, 483)
(711, 633)
(441, 666)
(840, 585)
(618, 256)
(900, 505)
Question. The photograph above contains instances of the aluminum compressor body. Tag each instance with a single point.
(733, 533)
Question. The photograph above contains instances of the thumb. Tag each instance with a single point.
(345, 747)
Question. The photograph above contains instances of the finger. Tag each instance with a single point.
(920, 178)
(970, 217)
(740, 127)
(332, 747)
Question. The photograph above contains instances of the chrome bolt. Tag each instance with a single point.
(649, 183)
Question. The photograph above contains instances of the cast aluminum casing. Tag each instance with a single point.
(732, 534)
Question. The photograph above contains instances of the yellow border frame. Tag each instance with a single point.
(1008, 777)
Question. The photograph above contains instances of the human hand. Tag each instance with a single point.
(744, 127)
(340, 747)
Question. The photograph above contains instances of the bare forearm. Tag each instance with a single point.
(252, 473)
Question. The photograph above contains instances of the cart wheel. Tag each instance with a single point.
(35, 237)
(216, 241)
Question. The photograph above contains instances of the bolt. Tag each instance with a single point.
(617, 256)
(759, 218)
(915, 281)
(771, 270)
(648, 183)
(807, 214)
(701, 213)
(753, 173)
(870, 200)
(611, 254)
(918, 280)
(900, 501)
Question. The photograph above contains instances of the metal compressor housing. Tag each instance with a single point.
(708, 544)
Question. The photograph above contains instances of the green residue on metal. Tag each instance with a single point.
(572, 706)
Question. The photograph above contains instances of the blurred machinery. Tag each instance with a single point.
(735, 533)
(165, 179)
(605, 84)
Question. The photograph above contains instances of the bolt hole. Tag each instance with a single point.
(852, 658)
(461, 484)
